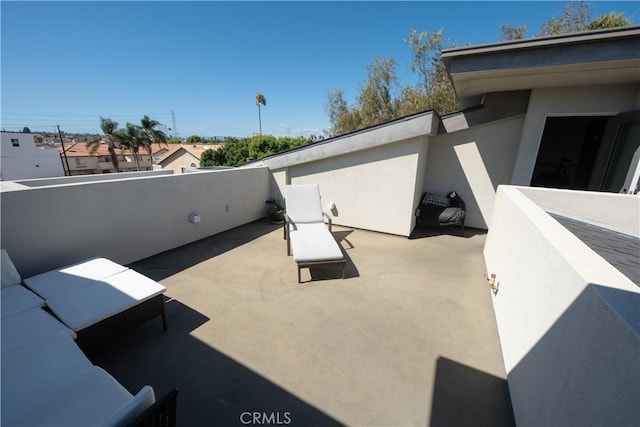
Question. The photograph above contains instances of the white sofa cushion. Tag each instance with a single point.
(38, 368)
(16, 299)
(303, 203)
(313, 242)
(9, 273)
(135, 285)
(28, 326)
(72, 277)
(90, 399)
(136, 406)
(98, 300)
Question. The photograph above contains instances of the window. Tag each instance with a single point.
(568, 151)
(80, 162)
(15, 142)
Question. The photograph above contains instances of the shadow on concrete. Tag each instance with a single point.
(423, 231)
(464, 396)
(214, 389)
(329, 272)
(585, 370)
(168, 263)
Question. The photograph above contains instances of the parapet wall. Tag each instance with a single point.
(568, 320)
(127, 219)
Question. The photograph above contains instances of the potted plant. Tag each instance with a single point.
(275, 211)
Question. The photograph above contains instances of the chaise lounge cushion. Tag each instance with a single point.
(72, 277)
(98, 300)
(303, 203)
(313, 243)
(16, 299)
(90, 399)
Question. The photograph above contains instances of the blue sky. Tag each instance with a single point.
(68, 63)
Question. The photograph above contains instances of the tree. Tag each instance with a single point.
(151, 135)
(342, 118)
(610, 20)
(109, 129)
(194, 139)
(26, 130)
(131, 139)
(426, 49)
(412, 99)
(509, 32)
(260, 100)
(236, 151)
(575, 18)
(375, 100)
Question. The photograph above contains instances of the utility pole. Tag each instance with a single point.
(175, 128)
(64, 152)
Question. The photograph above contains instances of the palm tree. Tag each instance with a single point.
(260, 99)
(109, 128)
(151, 135)
(131, 139)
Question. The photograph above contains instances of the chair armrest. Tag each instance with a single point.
(287, 221)
(328, 218)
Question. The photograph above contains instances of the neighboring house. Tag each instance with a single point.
(82, 161)
(184, 156)
(555, 111)
(20, 158)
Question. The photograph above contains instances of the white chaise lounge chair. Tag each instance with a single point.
(307, 236)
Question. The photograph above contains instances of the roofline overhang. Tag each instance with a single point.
(601, 57)
(535, 42)
(420, 124)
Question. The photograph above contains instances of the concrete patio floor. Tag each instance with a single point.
(407, 339)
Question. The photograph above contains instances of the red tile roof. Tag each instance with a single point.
(80, 149)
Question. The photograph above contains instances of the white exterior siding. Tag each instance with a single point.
(473, 162)
(21, 159)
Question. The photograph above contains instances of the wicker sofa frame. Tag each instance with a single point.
(160, 414)
(92, 338)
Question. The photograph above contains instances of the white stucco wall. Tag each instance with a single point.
(125, 220)
(27, 160)
(473, 162)
(567, 320)
(587, 100)
(279, 179)
(620, 212)
(373, 189)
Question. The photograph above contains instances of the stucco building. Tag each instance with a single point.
(21, 159)
(181, 157)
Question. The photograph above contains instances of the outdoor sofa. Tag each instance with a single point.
(47, 380)
(99, 299)
(307, 236)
